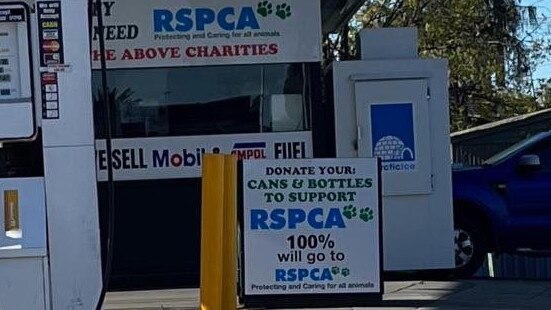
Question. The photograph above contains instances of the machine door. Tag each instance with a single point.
(393, 124)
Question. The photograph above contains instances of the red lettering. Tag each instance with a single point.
(176, 160)
(241, 154)
(95, 55)
(245, 49)
(127, 55)
(227, 50)
(151, 53)
(191, 52)
(175, 52)
(139, 54)
(219, 51)
(110, 55)
(263, 49)
(255, 49)
(273, 49)
(163, 52)
(215, 52)
(203, 51)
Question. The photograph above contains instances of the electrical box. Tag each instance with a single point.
(17, 117)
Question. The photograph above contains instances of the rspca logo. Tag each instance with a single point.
(393, 136)
(199, 19)
(228, 18)
(254, 150)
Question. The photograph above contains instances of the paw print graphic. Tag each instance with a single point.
(349, 212)
(366, 214)
(283, 10)
(264, 8)
(345, 272)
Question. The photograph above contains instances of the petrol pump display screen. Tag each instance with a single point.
(12, 15)
(10, 84)
(16, 90)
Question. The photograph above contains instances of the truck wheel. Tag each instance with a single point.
(470, 248)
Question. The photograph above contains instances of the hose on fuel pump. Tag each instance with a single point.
(97, 7)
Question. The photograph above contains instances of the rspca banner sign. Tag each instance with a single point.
(170, 33)
(312, 226)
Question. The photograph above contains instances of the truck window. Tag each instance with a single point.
(514, 149)
(544, 152)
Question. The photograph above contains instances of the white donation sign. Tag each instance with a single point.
(312, 226)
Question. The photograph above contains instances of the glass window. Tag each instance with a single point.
(515, 148)
(204, 100)
(22, 159)
(544, 152)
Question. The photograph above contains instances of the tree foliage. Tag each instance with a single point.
(492, 46)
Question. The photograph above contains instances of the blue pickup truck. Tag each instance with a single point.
(504, 206)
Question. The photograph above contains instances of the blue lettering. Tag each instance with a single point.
(203, 17)
(278, 219)
(162, 20)
(258, 219)
(292, 275)
(397, 166)
(160, 160)
(326, 275)
(188, 19)
(315, 274)
(280, 275)
(303, 274)
(296, 216)
(247, 19)
(223, 19)
(190, 159)
(185, 23)
(312, 218)
(334, 219)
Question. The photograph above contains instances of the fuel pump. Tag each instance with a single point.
(49, 227)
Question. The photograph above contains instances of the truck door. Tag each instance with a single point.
(529, 201)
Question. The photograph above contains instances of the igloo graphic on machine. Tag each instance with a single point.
(392, 148)
(393, 132)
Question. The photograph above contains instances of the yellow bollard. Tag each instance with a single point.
(218, 233)
(229, 281)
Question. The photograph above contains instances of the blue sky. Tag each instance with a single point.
(543, 7)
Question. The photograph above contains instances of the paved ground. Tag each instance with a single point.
(463, 295)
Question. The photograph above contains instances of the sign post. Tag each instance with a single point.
(311, 233)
